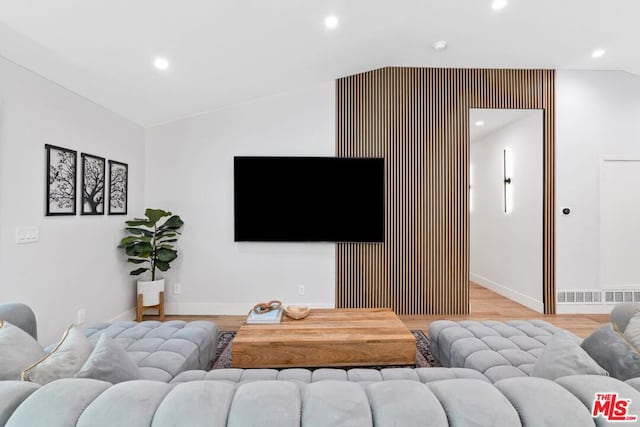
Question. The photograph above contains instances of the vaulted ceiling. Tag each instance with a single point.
(226, 52)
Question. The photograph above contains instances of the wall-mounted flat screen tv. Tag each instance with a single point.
(308, 199)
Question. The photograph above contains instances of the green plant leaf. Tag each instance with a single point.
(172, 223)
(154, 215)
(165, 240)
(137, 261)
(139, 249)
(166, 246)
(136, 222)
(165, 233)
(138, 271)
(162, 265)
(139, 231)
(127, 241)
(166, 254)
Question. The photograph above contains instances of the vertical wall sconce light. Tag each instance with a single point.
(507, 173)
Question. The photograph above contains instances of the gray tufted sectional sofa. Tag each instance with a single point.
(267, 398)
(331, 397)
(499, 350)
(395, 397)
(162, 350)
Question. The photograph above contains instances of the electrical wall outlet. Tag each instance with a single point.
(177, 288)
(81, 317)
(300, 289)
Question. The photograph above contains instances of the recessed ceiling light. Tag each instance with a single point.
(597, 53)
(499, 4)
(440, 45)
(479, 123)
(331, 22)
(161, 63)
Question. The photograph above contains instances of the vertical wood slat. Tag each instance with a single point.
(418, 120)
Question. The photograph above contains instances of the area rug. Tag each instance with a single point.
(424, 358)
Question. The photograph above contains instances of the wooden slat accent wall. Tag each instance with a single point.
(418, 120)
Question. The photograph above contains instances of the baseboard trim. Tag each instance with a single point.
(220, 308)
(507, 292)
(127, 315)
(584, 308)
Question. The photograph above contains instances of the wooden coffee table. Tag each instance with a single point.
(327, 337)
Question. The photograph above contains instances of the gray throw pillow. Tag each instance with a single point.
(18, 350)
(562, 357)
(64, 361)
(109, 362)
(632, 332)
(611, 350)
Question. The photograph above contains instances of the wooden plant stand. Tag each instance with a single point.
(140, 308)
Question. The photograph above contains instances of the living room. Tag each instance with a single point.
(279, 80)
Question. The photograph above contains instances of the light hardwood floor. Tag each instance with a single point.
(485, 305)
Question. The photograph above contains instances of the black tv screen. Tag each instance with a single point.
(308, 199)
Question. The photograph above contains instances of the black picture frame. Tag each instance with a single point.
(118, 187)
(61, 181)
(92, 188)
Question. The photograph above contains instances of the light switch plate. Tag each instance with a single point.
(81, 316)
(27, 234)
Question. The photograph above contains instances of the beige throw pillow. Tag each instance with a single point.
(18, 350)
(632, 332)
(64, 361)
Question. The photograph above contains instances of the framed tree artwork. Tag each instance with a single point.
(61, 180)
(118, 187)
(93, 182)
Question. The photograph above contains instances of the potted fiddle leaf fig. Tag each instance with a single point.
(150, 245)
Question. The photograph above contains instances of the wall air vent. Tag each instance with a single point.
(579, 297)
(609, 296)
(612, 296)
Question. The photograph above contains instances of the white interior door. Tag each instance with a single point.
(620, 223)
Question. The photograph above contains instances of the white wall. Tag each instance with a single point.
(75, 264)
(598, 115)
(190, 172)
(506, 249)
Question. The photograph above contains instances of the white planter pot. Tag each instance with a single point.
(150, 291)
